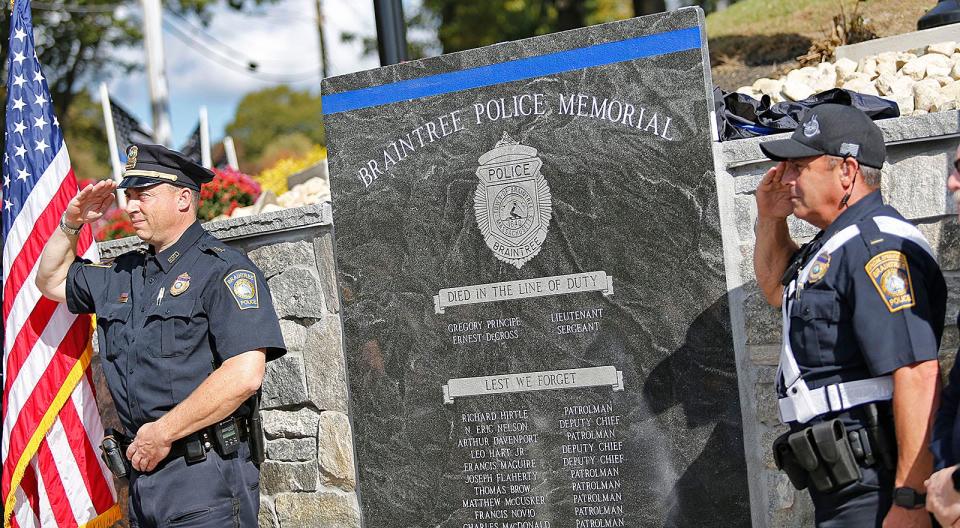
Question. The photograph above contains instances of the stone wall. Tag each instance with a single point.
(308, 479)
(919, 151)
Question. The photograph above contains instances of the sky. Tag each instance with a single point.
(202, 63)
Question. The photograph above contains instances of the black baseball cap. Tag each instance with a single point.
(837, 130)
(152, 164)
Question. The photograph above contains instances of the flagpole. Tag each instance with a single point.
(205, 157)
(231, 152)
(112, 142)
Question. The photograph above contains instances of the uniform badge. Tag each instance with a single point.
(180, 285)
(891, 276)
(512, 201)
(819, 268)
(243, 287)
(132, 157)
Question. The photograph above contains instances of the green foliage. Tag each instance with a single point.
(264, 116)
(86, 139)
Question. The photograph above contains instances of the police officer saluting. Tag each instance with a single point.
(863, 306)
(943, 487)
(185, 329)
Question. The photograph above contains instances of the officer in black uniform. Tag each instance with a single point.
(185, 328)
(943, 487)
(863, 306)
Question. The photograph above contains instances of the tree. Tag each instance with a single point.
(84, 40)
(267, 114)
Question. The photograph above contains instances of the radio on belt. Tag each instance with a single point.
(227, 436)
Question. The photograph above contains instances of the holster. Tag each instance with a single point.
(820, 455)
(113, 452)
(255, 431)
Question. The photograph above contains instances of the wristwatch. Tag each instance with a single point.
(72, 231)
(909, 498)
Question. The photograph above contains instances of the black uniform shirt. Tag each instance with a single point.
(874, 305)
(166, 321)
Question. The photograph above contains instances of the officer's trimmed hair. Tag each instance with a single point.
(871, 175)
(195, 200)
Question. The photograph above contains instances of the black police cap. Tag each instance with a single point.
(837, 130)
(152, 164)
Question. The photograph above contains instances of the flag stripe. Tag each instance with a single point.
(40, 402)
(35, 204)
(84, 456)
(30, 331)
(67, 466)
(56, 494)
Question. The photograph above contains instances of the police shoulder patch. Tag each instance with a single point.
(243, 286)
(890, 275)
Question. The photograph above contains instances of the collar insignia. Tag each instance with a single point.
(180, 285)
(173, 258)
(124, 297)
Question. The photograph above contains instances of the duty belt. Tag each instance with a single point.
(802, 404)
(194, 446)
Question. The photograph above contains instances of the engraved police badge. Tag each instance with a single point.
(180, 285)
(512, 201)
(243, 287)
(819, 268)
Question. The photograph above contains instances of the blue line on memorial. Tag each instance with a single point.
(516, 70)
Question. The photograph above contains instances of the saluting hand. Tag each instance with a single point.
(773, 196)
(91, 203)
(149, 448)
(942, 500)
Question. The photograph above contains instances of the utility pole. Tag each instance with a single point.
(156, 71)
(391, 31)
(324, 68)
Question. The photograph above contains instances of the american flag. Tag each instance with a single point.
(52, 472)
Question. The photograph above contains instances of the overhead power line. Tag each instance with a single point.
(249, 68)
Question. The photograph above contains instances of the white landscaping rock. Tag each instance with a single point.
(887, 63)
(916, 68)
(955, 71)
(825, 77)
(767, 86)
(938, 65)
(796, 90)
(845, 68)
(861, 86)
(943, 48)
(927, 97)
(952, 91)
(868, 65)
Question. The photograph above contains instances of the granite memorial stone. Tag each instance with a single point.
(533, 295)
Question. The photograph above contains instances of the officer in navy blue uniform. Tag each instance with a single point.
(943, 487)
(185, 328)
(863, 306)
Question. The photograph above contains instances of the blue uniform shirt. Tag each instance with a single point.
(945, 441)
(874, 305)
(166, 321)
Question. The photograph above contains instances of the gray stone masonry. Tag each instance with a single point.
(308, 479)
(919, 150)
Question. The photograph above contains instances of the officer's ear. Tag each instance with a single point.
(849, 168)
(184, 199)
